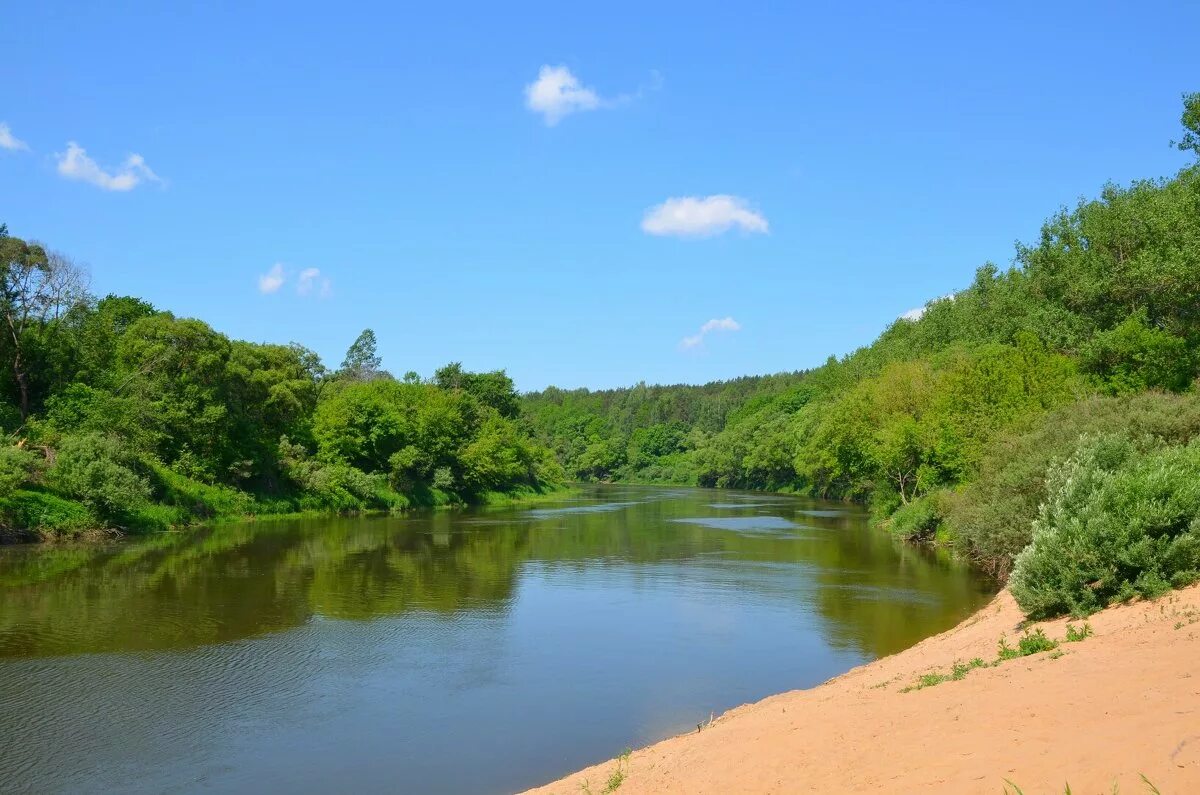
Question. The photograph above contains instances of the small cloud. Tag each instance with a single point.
(919, 312)
(75, 164)
(692, 216)
(307, 278)
(9, 141)
(310, 279)
(557, 93)
(272, 280)
(716, 324)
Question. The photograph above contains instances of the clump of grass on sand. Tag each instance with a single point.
(1033, 642)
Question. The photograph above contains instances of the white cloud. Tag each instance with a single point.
(310, 279)
(693, 216)
(307, 278)
(557, 93)
(75, 164)
(9, 141)
(716, 324)
(272, 280)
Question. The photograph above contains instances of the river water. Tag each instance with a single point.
(474, 651)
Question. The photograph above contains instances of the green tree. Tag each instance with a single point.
(36, 288)
(362, 363)
(1132, 357)
(178, 369)
(493, 389)
(1191, 124)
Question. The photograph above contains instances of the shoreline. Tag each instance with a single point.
(496, 499)
(1099, 712)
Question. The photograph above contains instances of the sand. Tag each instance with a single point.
(1116, 705)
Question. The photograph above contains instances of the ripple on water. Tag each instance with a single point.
(762, 524)
(602, 507)
(375, 654)
(733, 506)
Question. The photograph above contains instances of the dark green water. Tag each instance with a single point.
(457, 652)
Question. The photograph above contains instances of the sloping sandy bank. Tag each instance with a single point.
(1121, 703)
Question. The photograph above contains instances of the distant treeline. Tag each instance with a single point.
(1083, 354)
(120, 416)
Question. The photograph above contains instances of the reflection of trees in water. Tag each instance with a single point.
(908, 596)
(236, 581)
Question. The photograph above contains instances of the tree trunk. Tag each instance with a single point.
(22, 384)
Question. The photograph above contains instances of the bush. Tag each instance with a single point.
(1133, 356)
(82, 409)
(17, 468)
(918, 520)
(99, 472)
(1119, 523)
(1030, 643)
(992, 517)
(323, 485)
(38, 513)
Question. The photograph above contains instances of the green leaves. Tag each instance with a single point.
(1190, 119)
(1119, 522)
(99, 472)
(1133, 357)
(425, 435)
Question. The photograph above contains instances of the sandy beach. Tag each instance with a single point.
(1093, 714)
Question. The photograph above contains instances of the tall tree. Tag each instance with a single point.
(36, 288)
(362, 363)
(493, 389)
(1191, 124)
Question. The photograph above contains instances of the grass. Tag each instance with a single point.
(617, 778)
(1033, 642)
(33, 514)
(527, 495)
(177, 501)
(957, 672)
(615, 781)
(1030, 643)
(1188, 617)
(1074, 635)
(1012, 789)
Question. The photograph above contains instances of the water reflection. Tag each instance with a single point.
(406, 647)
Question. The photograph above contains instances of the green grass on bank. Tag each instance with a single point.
(180, 502)
(1034, 642)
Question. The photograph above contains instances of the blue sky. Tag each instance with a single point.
(831, 167)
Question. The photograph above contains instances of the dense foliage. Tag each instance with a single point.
(121, 416)
(1119, 522)
(973, 425)
(948, 423)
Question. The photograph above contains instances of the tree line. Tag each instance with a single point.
(956, 426)
(118, 415)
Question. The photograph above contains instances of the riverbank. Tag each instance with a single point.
(1097, 713)
(50, 525)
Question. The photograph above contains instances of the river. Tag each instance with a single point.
(472, 651)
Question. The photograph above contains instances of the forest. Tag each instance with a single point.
(1042, 421)
(120, 417)
(1055, 399)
